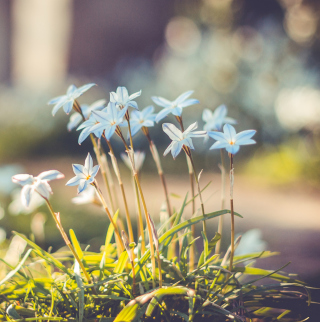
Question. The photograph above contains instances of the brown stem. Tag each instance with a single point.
(232, 213)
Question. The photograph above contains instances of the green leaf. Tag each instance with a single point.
(174, 230)
(111, 230)
(76, 244)
(12, 273)
(121, 264)
(214, 241)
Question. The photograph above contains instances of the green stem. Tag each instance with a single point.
(223, 188)
(135, 174)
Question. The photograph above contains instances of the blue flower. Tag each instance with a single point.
(175, 107)
(84, 174)
(108, 119)
(215, 120)
(76, 118)
(230, 140)
(180, 139)
(139, 119)
(122, 99)
(39, 184)
(66, 101)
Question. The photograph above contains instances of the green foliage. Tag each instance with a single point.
(208, 291)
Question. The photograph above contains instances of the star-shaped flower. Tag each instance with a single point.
(230, 140)
(108, 119)
(122, 99)
(175, 107)
(84, 174)
(215, 120)
(76, 118)
(86, 128)
(139, 119)
(66, 101)
(39, 184)
(180, 139)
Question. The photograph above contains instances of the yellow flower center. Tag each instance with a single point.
(88, 177)
(231, 143)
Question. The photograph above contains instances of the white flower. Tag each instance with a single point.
(66, 101)
(84, 174)
(85, 197)
(122, 99)
(230, 140)
(215, 120)
(39, 184)
(180, 139)
(174, 107)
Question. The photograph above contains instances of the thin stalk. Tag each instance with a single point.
(135, 174)
(67, 241)
(232, 212)
(129, 128)
(191, 174)
(159, 268)
(117, 172)
(223, 197)
(120, 247)
(140, 220)
(155, 155)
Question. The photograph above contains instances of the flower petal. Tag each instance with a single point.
(51, 175)
(84, 134)
(22, 179)
(94, 171)
(233, 149)
(229, 132)
(134, 95)
(88, 164)
(168, 149)
(82, 185)
(244, 135)
(163, 102)
(172, 131)
(84, 88)
(246, 142)
(74, 181)
(218, 136)
(191, 127)
(74, 121)
(162, 114)
(133, 104)
(67, 107)
(206, 115)
(71, 89)
(43, 188)
(219, 145)
(189, 102)
(182, 97)
(176, 148)
(56, 100)
(122, 93)
(113, 97)
(58, 105)
(79, 170)
(26, 194)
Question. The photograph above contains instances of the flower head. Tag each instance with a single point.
(139, 119)
(180, 139)
(86, 129)
(139, 157)
(215, 120)
(108, 119)
(122, 99)
(84, 174)
(66, 101)
(39, 184)
(230, 140)
(76, 118)
(175, 107)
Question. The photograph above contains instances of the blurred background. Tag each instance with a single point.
(260, 58)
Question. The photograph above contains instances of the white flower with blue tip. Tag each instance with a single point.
(140, 119)
(76, 118)
(67, 101)
(84, 174)
(39, 184)
(122, 99)
(180, 139)
(230, 140)
(174, 107)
